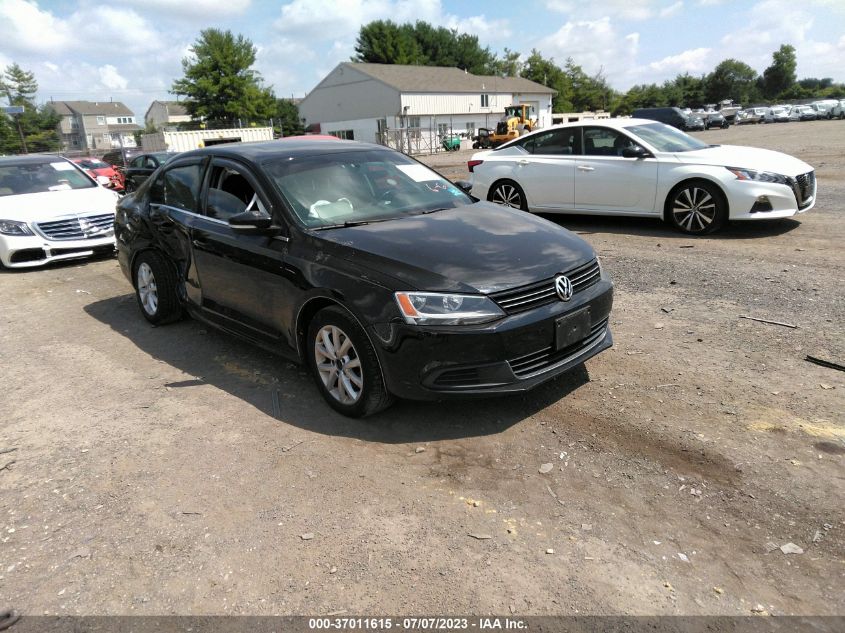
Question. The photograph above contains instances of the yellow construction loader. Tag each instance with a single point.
(513, 124)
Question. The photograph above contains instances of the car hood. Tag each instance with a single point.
(481, 248)
(747, 158)
(51, 205)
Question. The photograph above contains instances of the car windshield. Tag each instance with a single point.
(665, 138)
(357, 187)
(28, 177)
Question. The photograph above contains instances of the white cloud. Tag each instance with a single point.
(619, 9)
(694, 61)
(594, 45)
(24, 27)
(110, 78)
(208, 9)
(672, 9)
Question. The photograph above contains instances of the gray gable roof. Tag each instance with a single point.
(60, 108)
(109, 108)
(174, 108)
(442, 79)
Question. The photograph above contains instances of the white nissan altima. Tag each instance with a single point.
(639, 167)
(51, 210)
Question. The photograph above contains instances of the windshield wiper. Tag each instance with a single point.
(427, 211)
(348, 223)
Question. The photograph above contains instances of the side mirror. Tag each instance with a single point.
(463, 185)
(253, 221)
(635, 152)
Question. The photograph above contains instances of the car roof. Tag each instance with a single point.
(259, 151)
(30, 159)
(619, 123)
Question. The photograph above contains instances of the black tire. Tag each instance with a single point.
(351, 383)
(696, 207)
(508, 194)
(154, 278)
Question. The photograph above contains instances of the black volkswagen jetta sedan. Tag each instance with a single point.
(384, 278)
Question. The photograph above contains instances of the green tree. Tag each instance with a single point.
(37, 125)
(219, 82)
(19, 85)
(286, 117)
(385, 42)
(546, 72)
(732, 79)
(587, 93)
(510, 65)
(780, 76)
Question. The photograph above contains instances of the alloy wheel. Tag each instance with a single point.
(507, 195)
(338, 364)
(147, 289)
(694, 209)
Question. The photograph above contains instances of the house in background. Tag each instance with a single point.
(91, 125)
(411, 107)
(163, 115)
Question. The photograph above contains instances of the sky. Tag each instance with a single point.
(98, 50)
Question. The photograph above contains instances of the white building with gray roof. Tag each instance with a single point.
(379, 103)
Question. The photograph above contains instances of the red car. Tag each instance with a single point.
(103, 173)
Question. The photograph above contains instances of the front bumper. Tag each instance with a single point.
(514, 354)
(29, 251)
(782, 200)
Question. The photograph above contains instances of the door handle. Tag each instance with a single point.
(523, 161)
(199, 243)
(586, 168)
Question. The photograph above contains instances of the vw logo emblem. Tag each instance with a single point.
(563, 287)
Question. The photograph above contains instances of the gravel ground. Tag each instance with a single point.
(176, 470)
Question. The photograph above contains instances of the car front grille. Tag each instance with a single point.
(804, 188)
(542, 293)
(79, 228)
(536, 362)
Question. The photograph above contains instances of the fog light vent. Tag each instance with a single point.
(762, 204)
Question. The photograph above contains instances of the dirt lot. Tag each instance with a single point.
(176, 470)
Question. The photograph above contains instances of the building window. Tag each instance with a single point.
(442, 129)
(107, 138)
(470, 129)
(101, 120)
(485, 101)
(74, 123)
(346, 135)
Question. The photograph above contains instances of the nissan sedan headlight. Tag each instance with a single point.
(10, 227)
(758, 176)
(434, 308)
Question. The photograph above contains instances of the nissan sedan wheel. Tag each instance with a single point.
(696, 208)
(344, 364)
(155, 288)
(508, 194)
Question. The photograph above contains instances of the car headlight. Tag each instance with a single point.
(758, 176)
(435, 308)
(10, 227)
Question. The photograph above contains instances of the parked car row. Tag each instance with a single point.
(785, 113)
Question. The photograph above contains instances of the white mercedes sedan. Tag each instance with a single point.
(51, 210)
(642, 168)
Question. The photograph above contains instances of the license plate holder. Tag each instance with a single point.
(572, 328)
